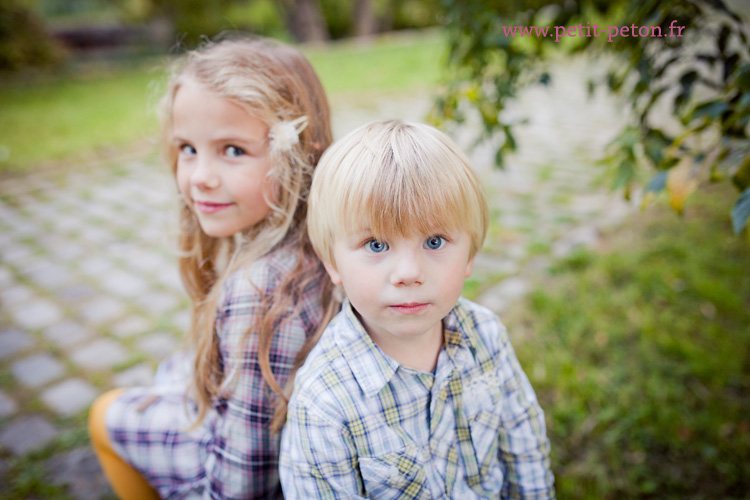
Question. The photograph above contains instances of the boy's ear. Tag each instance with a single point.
(468, 267)
(332, 272)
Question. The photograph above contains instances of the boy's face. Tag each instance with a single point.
(402, 288)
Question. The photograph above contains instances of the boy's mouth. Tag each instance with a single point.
(410, 307)
(209, 207)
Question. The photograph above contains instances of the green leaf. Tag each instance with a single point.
(741, 212)
(741, 177)
(711, 109)
(654, 145)
(658, 182)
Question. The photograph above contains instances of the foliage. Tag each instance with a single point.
(24, 43)
(704, 68)
(646, 387)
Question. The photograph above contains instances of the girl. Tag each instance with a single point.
(244, 124)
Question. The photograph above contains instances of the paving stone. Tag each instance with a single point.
(146, 260)
(132, 325)
(15, 294)
(138, 375)
(48, 275)
(17, 253)
(6, 277)
(69, 396)
(585, 236)
(76, 293)
(7, 405)
(95, 266)
(158, 302)
(124, 284)
(38, 313)
(158, 345)
(80, 471)
(27, 434)
(484, 262)
(100, 354)
(68, 333)
(181, 320)
(499, 297)
(170, 277)
(14, 341)
(101, 310)
(37, 370)
(68, 251)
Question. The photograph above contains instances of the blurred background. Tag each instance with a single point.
(617, 169)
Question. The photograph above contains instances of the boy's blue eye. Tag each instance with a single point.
(187, 149)
(376, 246)
(434, 242)
(234, 151)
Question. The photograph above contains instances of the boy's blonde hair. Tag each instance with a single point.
(394, 179)
(275, 83)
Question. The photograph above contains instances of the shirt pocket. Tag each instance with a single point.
(395, 476)
(484, 428)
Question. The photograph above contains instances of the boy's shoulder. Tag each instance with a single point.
(480, 326)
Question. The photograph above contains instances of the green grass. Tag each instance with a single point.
(394, 63)
(641, 359)
(76, 116)
(71, 117)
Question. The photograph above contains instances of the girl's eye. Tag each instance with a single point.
(376, 246)
(434, 242)
(234, 151)
(187, 150)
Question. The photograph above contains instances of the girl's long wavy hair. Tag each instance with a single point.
(275, 83)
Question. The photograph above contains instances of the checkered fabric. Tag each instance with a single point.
(360, 425)
(231, 454)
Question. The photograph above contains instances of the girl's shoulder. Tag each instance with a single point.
(265, 273)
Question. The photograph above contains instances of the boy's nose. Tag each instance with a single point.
(407, 270)
(205, 176)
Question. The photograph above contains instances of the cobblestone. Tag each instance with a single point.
(158, 345)
(27, 434)
(7, 405)
(37, 370)
(13, 342)
(67, 334)
(37, 313)
(69, 396)
(100, 354)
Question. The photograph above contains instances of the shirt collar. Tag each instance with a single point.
(373, 369)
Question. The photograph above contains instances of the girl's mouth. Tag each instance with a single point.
(208, 207)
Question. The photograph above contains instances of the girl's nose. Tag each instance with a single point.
(407, 269)
(205, 175)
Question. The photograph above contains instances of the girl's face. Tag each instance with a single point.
(222, 160)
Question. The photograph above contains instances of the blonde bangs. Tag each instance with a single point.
(393, 179)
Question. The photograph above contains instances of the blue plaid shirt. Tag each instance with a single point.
(361, 425)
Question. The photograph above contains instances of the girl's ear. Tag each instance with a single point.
(332, 272)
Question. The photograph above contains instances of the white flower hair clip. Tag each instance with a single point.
(285, 134)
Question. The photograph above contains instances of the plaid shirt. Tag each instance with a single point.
(361, 425)
(231, 454)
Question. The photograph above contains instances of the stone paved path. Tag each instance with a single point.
(90, 297)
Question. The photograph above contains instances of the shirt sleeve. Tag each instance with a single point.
(523, 445)
(318, 455)
(243, 458)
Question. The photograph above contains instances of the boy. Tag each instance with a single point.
(412, 392)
